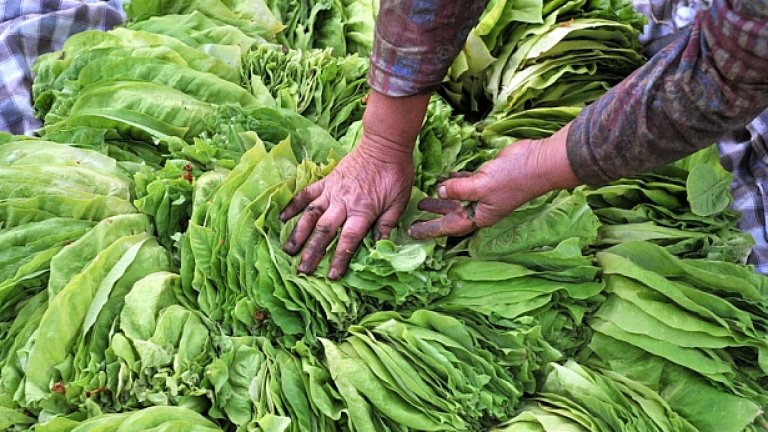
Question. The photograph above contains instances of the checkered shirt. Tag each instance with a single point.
(745, 154)
(29, 28)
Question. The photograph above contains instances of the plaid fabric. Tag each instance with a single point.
(30, 28)
(745, 154)
(416, 41)
(711, 79)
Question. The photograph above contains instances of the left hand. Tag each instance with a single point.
(519, 173)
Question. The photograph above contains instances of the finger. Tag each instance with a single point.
(386, 223)
(452, 224)
(351, 235)
(463, 188)
(301, 200)
(304, 227)
(439, 206)
(460, 174)
(321, 237)
(457, 174)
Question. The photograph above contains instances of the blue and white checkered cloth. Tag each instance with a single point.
(745, 154)
(29, 28)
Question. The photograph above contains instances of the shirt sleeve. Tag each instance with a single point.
(416, 41)
(713, 78)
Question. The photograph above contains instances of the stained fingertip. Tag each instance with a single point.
(303, 268)
(335, 274)
(417, 231)
(290, 246)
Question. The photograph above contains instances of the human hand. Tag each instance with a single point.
(371, 186)
(361, 191)
(519, 173)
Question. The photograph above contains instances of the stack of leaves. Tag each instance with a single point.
(325, 89)
(575, 398)
(259, 385)
(156, 419)
(429, 371)
(158, 349)
(531, 264)
(683, 208)
(51, 195)
(214, 20)
(707, 407)
(75, 246)
(709, 317)
(58, 359)
(345, 26)
(53, 201)
(534, 65)
(232, 261)
(133, 85)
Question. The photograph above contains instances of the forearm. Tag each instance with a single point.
(416, 42)
(707, 82)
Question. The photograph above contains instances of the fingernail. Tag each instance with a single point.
(282, 216)
(441, 192)
(303, 268)
(376, 235)
(333, 274)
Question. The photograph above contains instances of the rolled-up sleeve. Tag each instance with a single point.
(713, 78)
(416, 41)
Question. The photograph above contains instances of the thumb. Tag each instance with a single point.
(462, 188)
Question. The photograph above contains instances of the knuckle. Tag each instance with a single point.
(322, 228)
(352, 235)
(387, 223)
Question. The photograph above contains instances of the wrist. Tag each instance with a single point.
(391, 126)
(550, 164)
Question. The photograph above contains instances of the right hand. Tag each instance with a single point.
(367, 188)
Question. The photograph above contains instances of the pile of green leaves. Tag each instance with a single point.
(52, 195)
(432, 372)
(144, 286)
(683, 208)
(250, 17)
(156, 419)
(102, 81)
(328, 90)
(709, 317)
(345, 26)
(236, 273)
(575, 398)
(533, 65)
